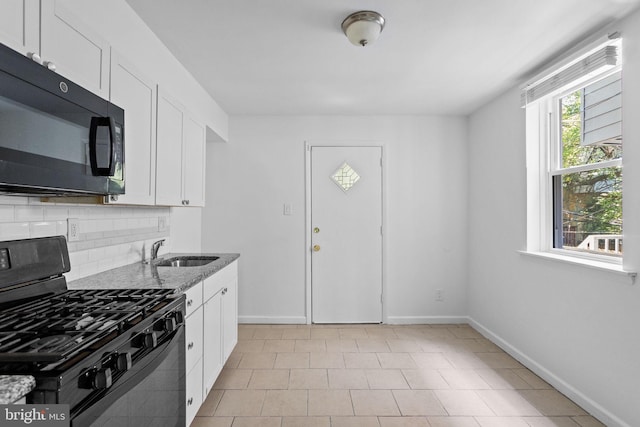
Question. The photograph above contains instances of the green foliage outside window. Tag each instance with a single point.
(592, 200)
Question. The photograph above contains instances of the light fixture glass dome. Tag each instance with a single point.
(363, 28)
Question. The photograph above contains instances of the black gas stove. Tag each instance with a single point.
(111, 355)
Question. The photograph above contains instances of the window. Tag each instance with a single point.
(574, 146)
(586, 170)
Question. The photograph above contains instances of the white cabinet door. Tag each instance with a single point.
(193, 350)
(169, 151)
(77, 51)
(180, 160)
(193, 392)
(212, 339)
(193, 339)
(20, 25)
(193, 162)
(230, 313)
(136, 93)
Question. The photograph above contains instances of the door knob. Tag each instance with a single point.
(316, 248)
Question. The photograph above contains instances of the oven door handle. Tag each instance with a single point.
(91, 410)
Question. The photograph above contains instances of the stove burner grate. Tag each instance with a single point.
(59, 326)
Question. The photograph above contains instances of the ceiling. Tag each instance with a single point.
(284, 57)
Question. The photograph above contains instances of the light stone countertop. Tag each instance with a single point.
(133, 276)
(149, 276)
(14, 387)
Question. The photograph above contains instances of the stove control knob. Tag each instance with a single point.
(101, 379)
(146, 340)
(120, 362)
(170, 324)
(123, 362)
(179, 316)
(96, 379)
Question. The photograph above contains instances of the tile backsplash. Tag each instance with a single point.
(107, 236)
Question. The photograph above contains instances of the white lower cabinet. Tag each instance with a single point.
(230, 315)
(212, 345)
(211, 333)
(193, 350)
(194, 391)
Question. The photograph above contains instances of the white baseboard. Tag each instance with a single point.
(391, 320)
(557, 382)
(423, 320)
(279, 320)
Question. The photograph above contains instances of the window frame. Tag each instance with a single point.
(544, 162)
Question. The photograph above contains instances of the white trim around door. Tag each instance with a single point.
(308, 221)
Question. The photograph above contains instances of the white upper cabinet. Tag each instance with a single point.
(20, 25)
(180, 155)
(169, 154)
(164, 144)
(193, 146)
(136, 94)
(51, 34)
(77, 52)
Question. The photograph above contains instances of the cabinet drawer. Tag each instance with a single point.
(193, 298)
(219, 280)
(193, 392)
(193, 339)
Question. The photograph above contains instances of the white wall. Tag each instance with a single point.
(186, 232)
(130, 36)
(575, 326)
(262, 167)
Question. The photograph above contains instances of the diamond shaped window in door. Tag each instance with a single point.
(345, 177)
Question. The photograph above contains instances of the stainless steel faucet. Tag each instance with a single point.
(155, 247)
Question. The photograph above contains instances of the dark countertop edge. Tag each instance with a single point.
(149, 276)
(15, 387)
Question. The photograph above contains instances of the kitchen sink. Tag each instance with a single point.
(186, 261)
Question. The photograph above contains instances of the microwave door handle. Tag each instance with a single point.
(97, 122)
(112, 146)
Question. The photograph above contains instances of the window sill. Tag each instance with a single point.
(589, 263)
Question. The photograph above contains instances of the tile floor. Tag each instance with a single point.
(379, 376)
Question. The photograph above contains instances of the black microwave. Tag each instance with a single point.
(56, 138)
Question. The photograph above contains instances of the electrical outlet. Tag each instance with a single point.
(162, 223)
(73, 229)
(439, 295)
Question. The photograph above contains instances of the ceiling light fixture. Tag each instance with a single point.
(363, 28)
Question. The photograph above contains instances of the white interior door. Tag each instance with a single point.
(346, 234)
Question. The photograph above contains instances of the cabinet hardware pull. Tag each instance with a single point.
(189, 303)
(35, 57)
(190, 401)
(190, 346)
